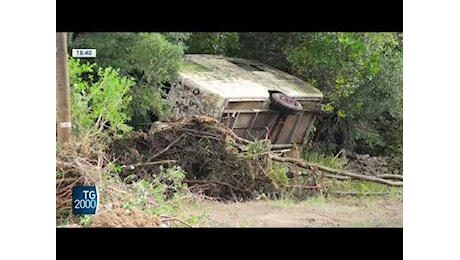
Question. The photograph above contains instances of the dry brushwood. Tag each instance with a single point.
(216, 161)
(69, 177)
(83, 163)
(168, 219)
(307, 165)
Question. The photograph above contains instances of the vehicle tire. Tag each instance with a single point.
(285, 103)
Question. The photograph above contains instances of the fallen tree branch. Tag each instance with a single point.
(307, 165)
(167, 147)
(338, 154)
(64, 204)
(206, 136)
(115, 189)
(230, 132)
(327, 175)
(338, 177)
(167, 218)
(344, 193)
(390, 176)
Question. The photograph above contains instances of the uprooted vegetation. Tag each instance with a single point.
(139, 203)
(217, 163)
(154, 171)
(220, 164)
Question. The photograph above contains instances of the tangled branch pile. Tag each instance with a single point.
(85, 163)
(76, 167)
(217, 162)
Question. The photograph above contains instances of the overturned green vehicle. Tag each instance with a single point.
(255, 100)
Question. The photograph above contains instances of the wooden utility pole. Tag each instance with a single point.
(62, 90)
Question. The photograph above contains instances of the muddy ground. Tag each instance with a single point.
(316, 212)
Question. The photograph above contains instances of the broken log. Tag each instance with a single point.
(308, 165)
(343, 193)
(390, 176)
(336, 176)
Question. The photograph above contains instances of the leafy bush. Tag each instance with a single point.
(214, 43)
(163, 187)
(177, 38)
(349, 69)
(100, 98)
(148, 57)
(278, 172)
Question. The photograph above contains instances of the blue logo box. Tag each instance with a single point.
(85, 200)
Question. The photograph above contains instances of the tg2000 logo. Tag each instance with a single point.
(85, 200)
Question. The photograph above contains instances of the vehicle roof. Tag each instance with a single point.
(241, 78)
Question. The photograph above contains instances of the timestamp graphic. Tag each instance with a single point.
(84, 53)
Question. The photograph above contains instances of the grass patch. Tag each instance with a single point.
(325, 160)
(356, 193)
(360, 187)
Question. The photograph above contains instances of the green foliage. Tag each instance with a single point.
(142, 54)
(84, 220)
(354, 72)
(313, 156)
(256, 148)
(149, 99)
(266, 47)
(176, 175)
(278, 172)
(58, 173)
(148, 57)
(360, 187)
(115, 168)
(99, 96)
(214, 43)
(156, 57)
(177, 38)
(158, 188)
